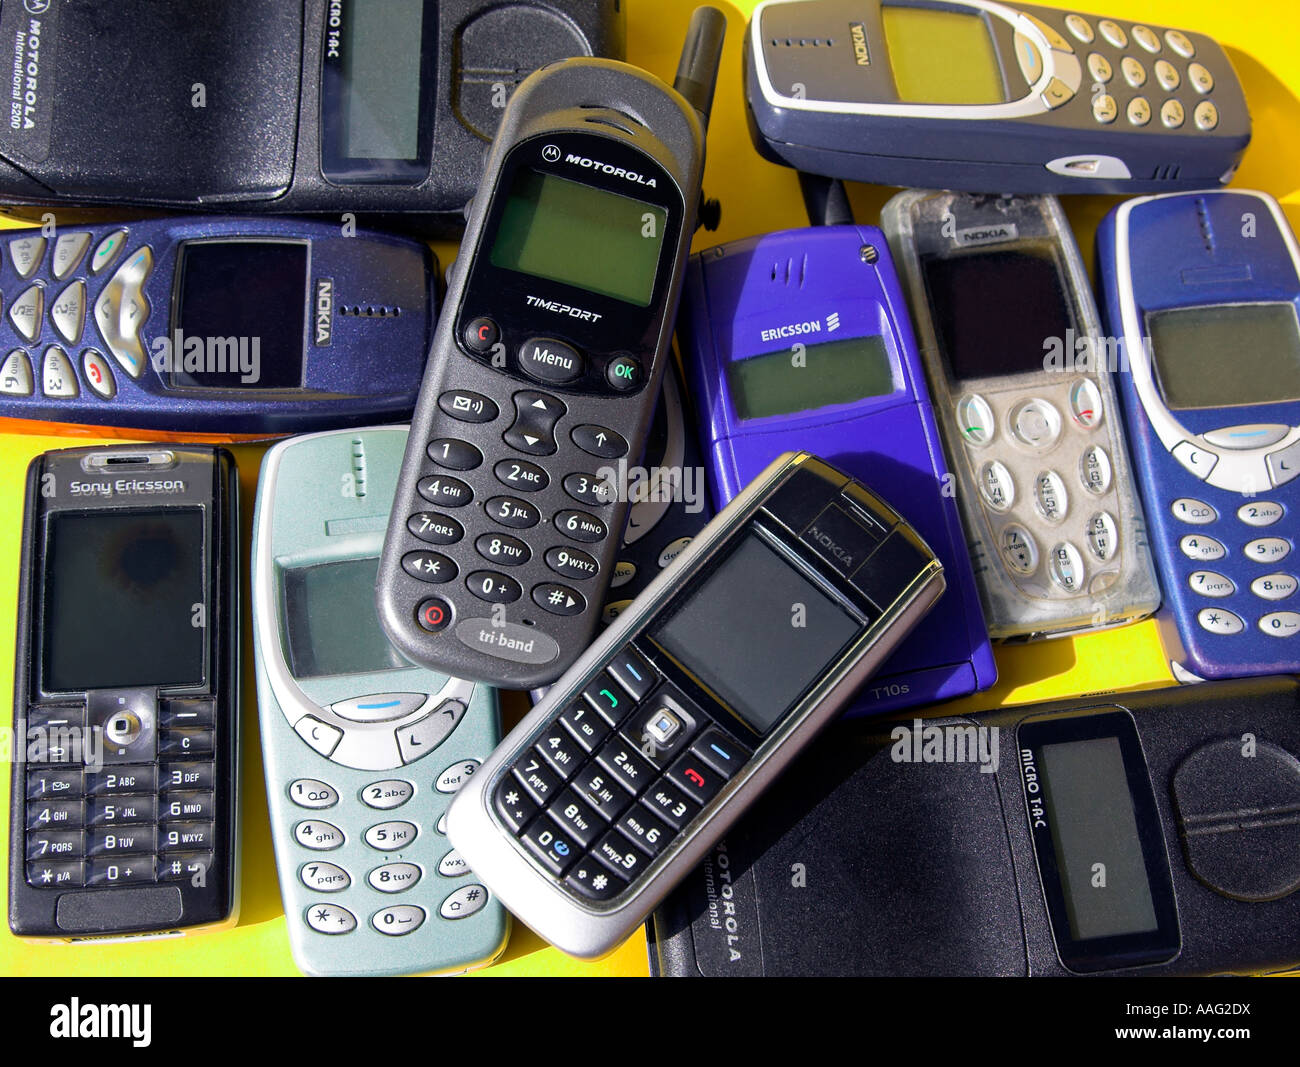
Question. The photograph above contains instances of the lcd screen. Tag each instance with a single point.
(241, 316)
(757, 632)
(1095, 836)
(1226, 354)
(330, 620)
(381, 72)
(579, 235)
(833, 372)
(941, 57)
(125, 600)
(998, 313)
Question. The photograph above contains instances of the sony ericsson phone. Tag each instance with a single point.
(546, 367)
(1012, 346)
(321, 106)
(978, 95)
(1202, 291)
(1137, 834)
(362, 748)
(123, 802)
(214, 324)
(616, 785)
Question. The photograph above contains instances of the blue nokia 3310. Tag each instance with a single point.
(1202, 290)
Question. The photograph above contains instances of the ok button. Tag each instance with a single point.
(549, 360)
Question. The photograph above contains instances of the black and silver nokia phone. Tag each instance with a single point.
(123, 817)
(546, 368)
(619, 782)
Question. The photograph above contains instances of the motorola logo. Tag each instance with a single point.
(550, 153)
(36, 7)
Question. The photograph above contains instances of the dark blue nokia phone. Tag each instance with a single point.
(213, 324)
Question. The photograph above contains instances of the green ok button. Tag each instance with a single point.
(623, 373)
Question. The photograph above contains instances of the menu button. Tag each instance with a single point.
(549, 360)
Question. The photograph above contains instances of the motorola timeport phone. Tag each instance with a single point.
(1134, 834)
(214, 324)
(978, 95)
(123, 808)
(692, 702)
(325, 106)
(546, 366)
(1202, 291)
(801, 339)
(362, 748)
(1014, 353)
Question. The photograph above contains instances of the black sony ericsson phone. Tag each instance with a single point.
(546, 368)
(317, 106)
(1122, 834)
(122, 811)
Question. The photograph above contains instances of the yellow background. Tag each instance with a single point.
(757, 197)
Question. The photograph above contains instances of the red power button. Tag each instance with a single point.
(433, 614)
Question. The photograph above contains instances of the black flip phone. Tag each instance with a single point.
(126, 694)
(316, 106)
(1146, 833)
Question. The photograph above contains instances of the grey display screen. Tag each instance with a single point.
(124, 601)
(833, 372)
(331, 623)
(580, 235)
(1095, 834)
(381, 72)
(757, 632)
(1224, 355)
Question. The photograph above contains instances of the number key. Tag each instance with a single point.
(558, 749)
(454, 454)
(536, 775)
(622, 760)
(587, 727)
(520, 474)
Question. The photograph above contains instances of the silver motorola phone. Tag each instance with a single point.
(646, 750)
(1017, 365)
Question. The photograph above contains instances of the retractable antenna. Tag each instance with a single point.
(697, 77)
(697, 71)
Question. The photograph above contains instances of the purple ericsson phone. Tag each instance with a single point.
(801, 340)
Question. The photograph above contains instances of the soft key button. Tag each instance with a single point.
(1250, 435)
(419, 738)
(378, 708)
(1197, 461)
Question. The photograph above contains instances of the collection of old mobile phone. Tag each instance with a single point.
(922, 438)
